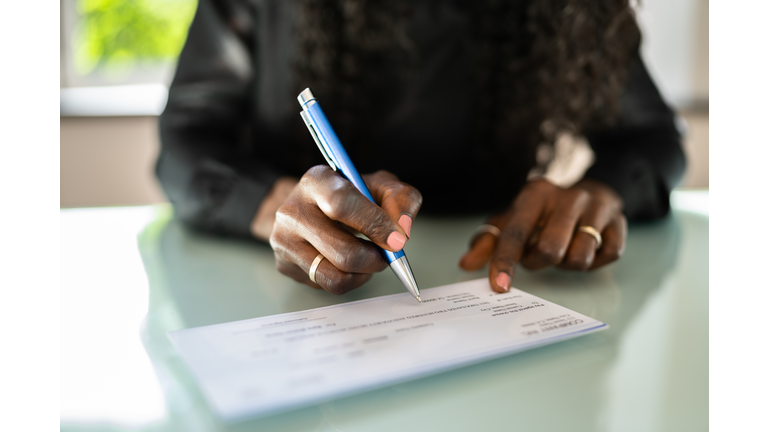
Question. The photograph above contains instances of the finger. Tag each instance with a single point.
(400, 200)
(481, 246)
(479, 253)
(346, 252)
(552, 243)
(525, 213)
(614, 241)
(581, 252)
(296, 273)
(297, 262)
(341, 201)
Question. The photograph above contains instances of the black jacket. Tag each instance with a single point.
(228, 131)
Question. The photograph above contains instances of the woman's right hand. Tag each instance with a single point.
(319, 216)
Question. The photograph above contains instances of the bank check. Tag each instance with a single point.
(275, 363)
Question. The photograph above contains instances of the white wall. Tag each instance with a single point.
(676, 48)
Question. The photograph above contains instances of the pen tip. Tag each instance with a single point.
(418, 298)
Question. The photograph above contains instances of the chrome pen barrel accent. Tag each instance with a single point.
(402, 270)
(306, 98)
(313, 132)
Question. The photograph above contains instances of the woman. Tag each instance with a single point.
(456, 98)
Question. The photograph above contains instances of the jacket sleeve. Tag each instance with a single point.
(641, 155)
(204, 165)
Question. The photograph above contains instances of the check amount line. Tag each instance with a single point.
(273, 325)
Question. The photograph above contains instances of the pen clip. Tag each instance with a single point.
(313, 132)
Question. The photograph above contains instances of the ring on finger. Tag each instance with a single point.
(594, 233)
(485, 228)
(314, 266)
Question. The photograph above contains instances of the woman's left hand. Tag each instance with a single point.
(541, 229)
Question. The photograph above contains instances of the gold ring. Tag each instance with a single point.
(485, 228)
(594, 233)
(313, 267)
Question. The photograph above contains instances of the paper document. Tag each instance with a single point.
(269, 364)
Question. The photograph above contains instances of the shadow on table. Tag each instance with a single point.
(199, 280)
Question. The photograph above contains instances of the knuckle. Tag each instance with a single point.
(340, 201)
(577, 263)
(287, 213)
(340, 285)
(532, 194)
(612, 253)
(413, 194)
(283, 244)
(514, 235)
(277, 243)
(283, 267)
(379, 226)
(384, 175)
(504, 262)
(350, 257)
(317, 172)
(404, 192)
(539, 185)
(285, 260)
(578, 195)
(550, 253)
(287, 218)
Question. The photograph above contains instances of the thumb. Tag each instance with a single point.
(399, 200)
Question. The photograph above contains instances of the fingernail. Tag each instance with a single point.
(502, 280)
(405, 222)
(396, 240)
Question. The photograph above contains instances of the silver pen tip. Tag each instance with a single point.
(418, 298)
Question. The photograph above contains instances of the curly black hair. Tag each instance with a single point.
(542, 67)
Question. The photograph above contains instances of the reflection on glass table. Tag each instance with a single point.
(129, 275)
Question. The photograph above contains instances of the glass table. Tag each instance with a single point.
(131, 274)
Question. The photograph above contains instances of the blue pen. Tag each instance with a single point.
(337, 158)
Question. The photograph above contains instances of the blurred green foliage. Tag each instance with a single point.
(120, 35)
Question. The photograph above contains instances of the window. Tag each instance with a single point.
(116, 42)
